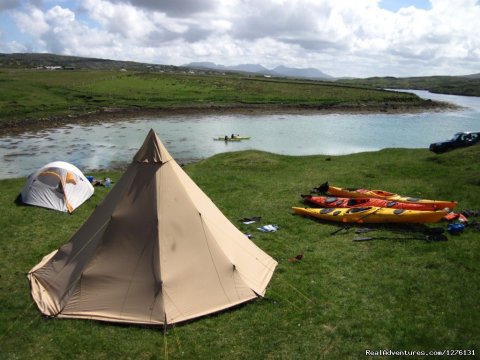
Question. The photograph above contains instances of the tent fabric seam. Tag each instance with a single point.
(211, 257)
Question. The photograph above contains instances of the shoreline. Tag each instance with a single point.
(111, 116)
(17, 126)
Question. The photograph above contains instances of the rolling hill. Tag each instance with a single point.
(457, 85)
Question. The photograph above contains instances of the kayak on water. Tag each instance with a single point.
(232, 138)
(342, 202)
(226, 139)
(372, 214)
(381, 194)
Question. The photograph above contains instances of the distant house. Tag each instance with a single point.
(53, 67)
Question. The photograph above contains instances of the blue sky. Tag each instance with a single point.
(395, 5)
(359, 38)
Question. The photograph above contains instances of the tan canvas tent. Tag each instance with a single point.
(155, 251)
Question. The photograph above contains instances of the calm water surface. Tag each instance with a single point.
(100, 146)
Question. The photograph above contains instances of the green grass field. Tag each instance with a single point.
(455, 85)
(341, 299)
(29, 95)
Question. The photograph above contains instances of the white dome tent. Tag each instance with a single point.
(58, 185)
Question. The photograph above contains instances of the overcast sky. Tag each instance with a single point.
(359, 38)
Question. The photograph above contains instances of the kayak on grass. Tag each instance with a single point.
(342, 202)
(372, 214)
(381, 194)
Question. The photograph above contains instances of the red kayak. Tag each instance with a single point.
(340, 202)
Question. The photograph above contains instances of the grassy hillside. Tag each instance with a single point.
(454, 85)
(42, 96)
(44, 60)
(342, 298)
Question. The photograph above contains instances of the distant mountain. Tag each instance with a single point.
(254, 68)
(308, 73)
(473, 76)
(251, 68)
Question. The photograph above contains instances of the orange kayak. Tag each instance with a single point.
(342, 202)
(381, 194)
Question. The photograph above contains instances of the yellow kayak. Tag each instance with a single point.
(380, 194)
(372, 214)
(235, 138)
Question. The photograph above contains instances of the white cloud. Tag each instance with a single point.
(123, 20)
(342, 38)
(32, 21)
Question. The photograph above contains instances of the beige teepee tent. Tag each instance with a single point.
(155, 251)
